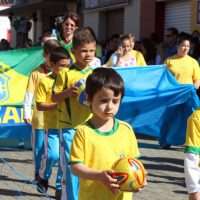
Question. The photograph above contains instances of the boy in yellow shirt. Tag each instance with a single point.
(36, 117)
(103, 139)
(58, 58)
(68, 92)
(192, 156)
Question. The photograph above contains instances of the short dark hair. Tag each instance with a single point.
(182, 37)
(58, 54)
(104, 78)
(50, 45)
(82, 36)
(173, 30)
(73, 16)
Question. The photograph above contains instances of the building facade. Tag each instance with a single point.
(141, 17)
(107, 17)
(30, 18)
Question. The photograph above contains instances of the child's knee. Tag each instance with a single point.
(194, 196)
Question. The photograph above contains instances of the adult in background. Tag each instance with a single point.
(186, 71)
(169, 46)
(66, 29)
(185, 68)
(111, 45)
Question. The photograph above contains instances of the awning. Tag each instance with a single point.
(27, 9)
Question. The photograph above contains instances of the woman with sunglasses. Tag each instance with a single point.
(66, 29)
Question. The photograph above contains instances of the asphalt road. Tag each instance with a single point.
(165, 174)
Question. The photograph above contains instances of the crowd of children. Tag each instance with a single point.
(75, 102)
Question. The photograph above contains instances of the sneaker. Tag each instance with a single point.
(37, 178)
(58, 194)
(42, 185)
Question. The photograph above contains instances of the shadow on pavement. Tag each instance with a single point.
(16, 193)
(10, 160)
(180, 192)
(6, 178)
(161, 160)
(165, 167)
(171, 180)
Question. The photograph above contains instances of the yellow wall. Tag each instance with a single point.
(195, 26)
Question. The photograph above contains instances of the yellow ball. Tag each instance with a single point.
(130, 173)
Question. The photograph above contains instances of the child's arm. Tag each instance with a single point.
(29, 97)
(104, 177)
(58, 97)
(46, 106)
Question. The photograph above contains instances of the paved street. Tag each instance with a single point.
(165, 174)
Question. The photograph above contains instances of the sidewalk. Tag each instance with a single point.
(165, 174)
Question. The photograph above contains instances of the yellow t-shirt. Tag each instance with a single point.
(140, 61)
(100, 151)
(193, 133)
(43, 95)
(72, 111)
(185, 69)
(34, 79)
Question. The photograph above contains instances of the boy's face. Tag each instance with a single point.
(105, 104)
(46, 59)
(126, 45)
(85, 53)
(61, 63)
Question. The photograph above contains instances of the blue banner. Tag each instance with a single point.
(154, 104)
(14, 132)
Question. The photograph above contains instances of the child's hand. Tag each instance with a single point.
(106, 178)
(140, 189)
(27, 121)
(71, 92)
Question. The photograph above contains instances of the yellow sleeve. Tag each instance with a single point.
(77, 149)
(193, 130)
(32, 82)
(61, 81)
(167, 62)
(134, 145)
(41, 93)
(196, 73)
(140, 59)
